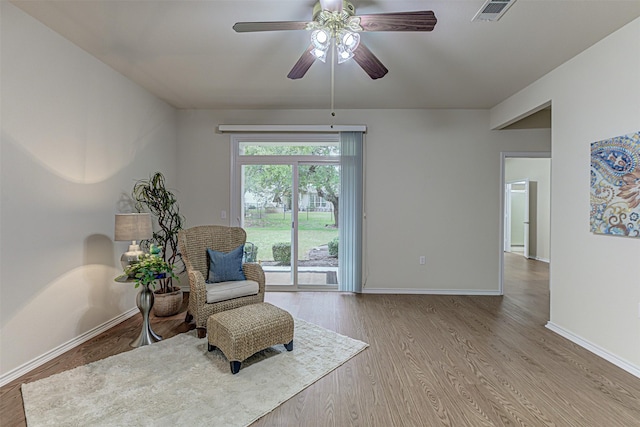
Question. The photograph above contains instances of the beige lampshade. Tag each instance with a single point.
(133, 226)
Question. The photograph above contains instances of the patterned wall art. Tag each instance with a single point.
(615, 186)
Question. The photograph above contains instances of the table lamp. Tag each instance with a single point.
(132, 227)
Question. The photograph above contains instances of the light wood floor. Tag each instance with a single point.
(432, 361)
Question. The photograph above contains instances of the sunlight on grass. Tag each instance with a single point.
(264, 230)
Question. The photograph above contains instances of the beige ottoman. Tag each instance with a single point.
(244, 331)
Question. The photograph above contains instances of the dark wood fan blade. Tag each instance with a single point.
(249, 27)
(302, 66)
(399, 21)
(369, 62)
(331, 5)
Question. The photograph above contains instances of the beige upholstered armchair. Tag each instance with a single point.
(193, 243)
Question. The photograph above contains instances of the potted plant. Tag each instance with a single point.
(151, 195)
(148, 269)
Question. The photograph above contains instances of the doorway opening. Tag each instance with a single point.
(525, 207)
(516, 217)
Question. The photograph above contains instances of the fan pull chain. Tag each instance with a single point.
(333, 64)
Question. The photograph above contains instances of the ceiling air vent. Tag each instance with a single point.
(492, 10)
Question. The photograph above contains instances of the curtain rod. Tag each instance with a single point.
(291, 128)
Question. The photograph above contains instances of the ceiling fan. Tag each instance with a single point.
(336, 21)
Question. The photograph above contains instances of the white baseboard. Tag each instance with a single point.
(411, 291)
(599, 351)
(52, 354)
(542, 259)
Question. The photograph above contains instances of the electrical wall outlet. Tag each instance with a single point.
(223, 214)
(423, 260)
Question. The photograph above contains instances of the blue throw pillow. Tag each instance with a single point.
(225, 267)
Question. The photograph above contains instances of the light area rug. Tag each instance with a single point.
(177, 382)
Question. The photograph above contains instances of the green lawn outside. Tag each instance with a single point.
(314, 229)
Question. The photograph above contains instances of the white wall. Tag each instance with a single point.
(75, 137)
(432, 188)
(595, 279)
(538, 171)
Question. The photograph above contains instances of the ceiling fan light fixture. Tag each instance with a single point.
(346, 42)
(321, 39)
(344, 54)
(349, 39)
(320, 54)
(321, 42)
(335, 25)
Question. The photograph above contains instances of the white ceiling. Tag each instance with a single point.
(185, 51)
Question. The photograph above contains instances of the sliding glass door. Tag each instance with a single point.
(267, 191)
(317, 224)
(286, 197)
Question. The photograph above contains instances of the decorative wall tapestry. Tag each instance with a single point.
(615, 186)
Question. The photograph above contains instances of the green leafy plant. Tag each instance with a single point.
(151, 195)
(149, 269)
(282, 253)
(333, 246)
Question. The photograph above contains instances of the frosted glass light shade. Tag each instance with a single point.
(350, 39)
(347, 42)
(344, 54)
(321, 39)
(320, 54)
